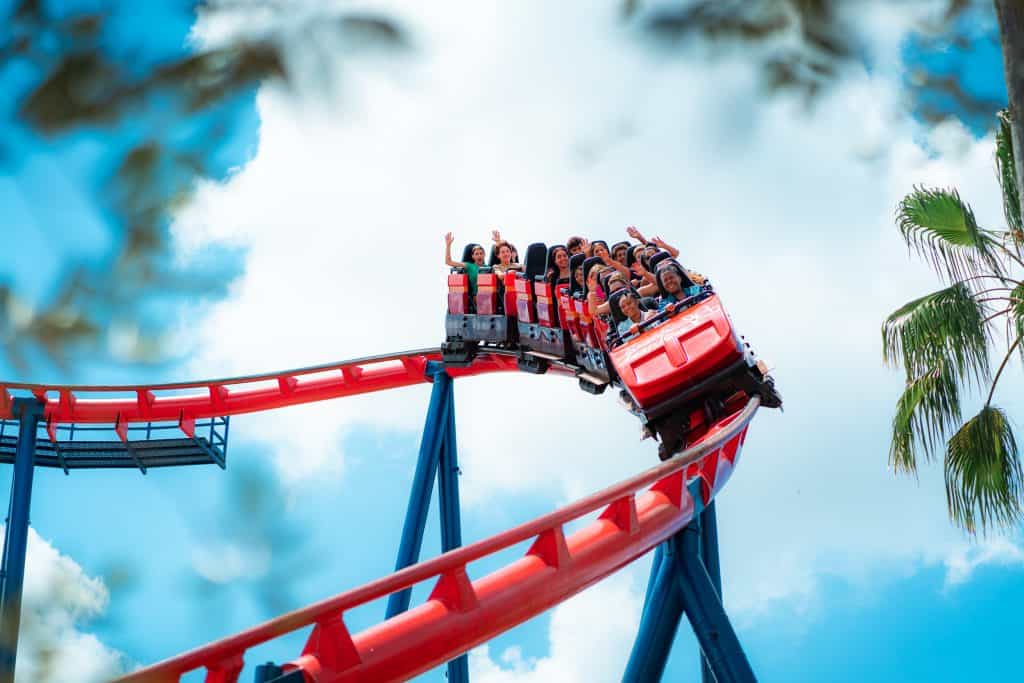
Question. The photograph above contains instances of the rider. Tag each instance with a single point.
(473, 257)
(674, 284)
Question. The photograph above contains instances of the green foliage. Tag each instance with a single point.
(82, 86)
(1015, 319)
(1007, 173)
(928, 410)
(942, 340)
(945, 328)
(983, 473)
(941, 228)
(800, 45)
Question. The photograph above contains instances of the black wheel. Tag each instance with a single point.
(458, 353)
(592, 388)
(533, 365)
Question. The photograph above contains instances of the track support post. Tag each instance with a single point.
(438, 457)
(12, 572)
(685, 579)
(422, 483)
(709, 555)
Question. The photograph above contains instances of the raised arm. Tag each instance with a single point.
(635, 234)
(647, 275)
(648, 290)
(609, 261)
(448, 239)
(666, 246)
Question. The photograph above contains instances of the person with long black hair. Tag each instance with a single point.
(473, 257)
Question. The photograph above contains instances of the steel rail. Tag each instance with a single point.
(232, 396)
(628, 527)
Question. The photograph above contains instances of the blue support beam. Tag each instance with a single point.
(451, 517)
(662, 613)
(710, 623)
(709, 555)
(685, 579)
(438, 455)
(12, 570)
(655, 565)
(422, 483)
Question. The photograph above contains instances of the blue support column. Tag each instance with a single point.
(655, 565)
(451, 518)
(662, 613)
(709, 555)
(12, 572)
(422, 483)
(717, 639)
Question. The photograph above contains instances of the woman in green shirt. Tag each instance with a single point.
(473, 257)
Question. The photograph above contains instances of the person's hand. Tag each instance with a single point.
(659, 242)
(585, 245)
(635, 234)
(448, 239)
(606, 258)
(495, 236)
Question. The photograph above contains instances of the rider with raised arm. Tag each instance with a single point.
(498, 241)
(473, 257)
(578, 245)
(654, 243)
(601, 251)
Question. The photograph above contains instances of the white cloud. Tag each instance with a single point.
(608, 613)
(998, 551)
(547, 122)
(58, 599)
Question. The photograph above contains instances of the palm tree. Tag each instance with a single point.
(943, 341)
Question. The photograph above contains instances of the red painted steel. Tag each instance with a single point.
(461, 613)
(232, 396)
(684, 349)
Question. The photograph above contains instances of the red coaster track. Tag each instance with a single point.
(637, 514)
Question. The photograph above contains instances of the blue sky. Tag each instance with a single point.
(541, 122)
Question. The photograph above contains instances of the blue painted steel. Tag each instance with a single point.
(422, 484)
(680, 584)
(663, 610)
(28, 411)
(709, 555)
(451, 518)
(659, 553)
(704, 610)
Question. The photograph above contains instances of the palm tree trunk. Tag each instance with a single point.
(1011, 28)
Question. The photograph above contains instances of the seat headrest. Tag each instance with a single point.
(536, 260)
(575, 262)
(658, 258)
(613, 303)
(618, 245)
(588, 265)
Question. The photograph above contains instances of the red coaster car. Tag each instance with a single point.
(686, 358)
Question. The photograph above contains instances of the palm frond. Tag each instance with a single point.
(928, 410)
(984, 480)
(1007, 172)
(1015, 319)
(946, 327)
(941, 228)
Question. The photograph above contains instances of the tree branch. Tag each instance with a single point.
(996, 315)
(1002, 365)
